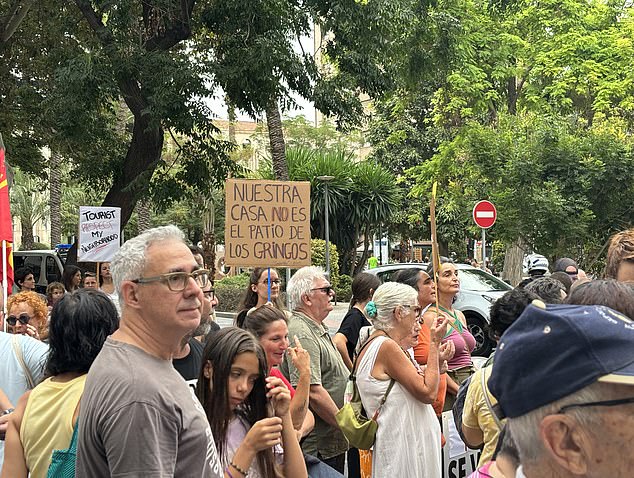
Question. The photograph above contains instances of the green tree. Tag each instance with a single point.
(29, 204)
(362, 197)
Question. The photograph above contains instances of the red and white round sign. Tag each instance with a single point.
(484, 214)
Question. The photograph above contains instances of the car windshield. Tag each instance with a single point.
(480, 281)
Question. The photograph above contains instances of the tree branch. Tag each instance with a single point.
(16, 17)
(179, 28)
(104, 35)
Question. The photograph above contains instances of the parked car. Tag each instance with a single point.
(478, 290)
(47, 266)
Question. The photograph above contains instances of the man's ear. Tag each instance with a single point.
(129, 294)
(567, 442)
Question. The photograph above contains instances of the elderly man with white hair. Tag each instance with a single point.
(309, 296)
(564, 377)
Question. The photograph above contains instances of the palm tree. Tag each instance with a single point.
(55, 196)
(29, 204)
(363, 196)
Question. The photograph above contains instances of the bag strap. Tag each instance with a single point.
(485, 392)
(389, 387)
(73, 440)
(354, 378)
(356, 358)
(17, 348)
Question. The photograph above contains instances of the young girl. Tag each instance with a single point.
(248, 412)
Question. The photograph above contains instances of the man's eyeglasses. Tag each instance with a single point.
(177, 281)
(273, 282)
(604, 403)
(210, 294)
(327, 289)
(23, 318)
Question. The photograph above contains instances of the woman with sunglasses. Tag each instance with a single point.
(408, 437)
(26, 315)
(257, 293)
(460, 365)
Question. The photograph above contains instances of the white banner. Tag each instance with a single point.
(99, 233)
(458, 460)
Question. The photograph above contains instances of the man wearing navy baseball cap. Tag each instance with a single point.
(564, 378)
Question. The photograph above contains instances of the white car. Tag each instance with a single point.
(478, 290)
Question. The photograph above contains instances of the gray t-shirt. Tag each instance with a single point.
(138, 418)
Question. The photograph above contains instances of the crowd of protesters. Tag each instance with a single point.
(124, 372)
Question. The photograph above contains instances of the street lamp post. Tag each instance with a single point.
(326, 180)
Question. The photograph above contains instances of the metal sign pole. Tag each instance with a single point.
(484, 249)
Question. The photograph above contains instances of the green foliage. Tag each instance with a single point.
(40, 246)
(229, 291)
(546, 177)
(318, 258)
(362, 196)
(344, 289)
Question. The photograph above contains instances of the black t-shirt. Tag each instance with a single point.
(189, 367)
(350, 327)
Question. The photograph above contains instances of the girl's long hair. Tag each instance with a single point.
(220, 351)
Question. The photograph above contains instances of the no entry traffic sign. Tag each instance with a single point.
(484, 214)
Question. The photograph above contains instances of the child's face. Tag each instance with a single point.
(245, 370)
(57, 294)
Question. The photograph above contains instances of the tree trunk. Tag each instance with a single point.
(27, 240)
(231, 111)
(55, 190)
(143, 211)
(512, 271)
(141, 160)
(276, 138)
(512, 94)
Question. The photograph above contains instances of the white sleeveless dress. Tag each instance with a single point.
(408, 438)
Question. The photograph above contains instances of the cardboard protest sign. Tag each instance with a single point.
(458, 460)
(99, 233)
(267, 223)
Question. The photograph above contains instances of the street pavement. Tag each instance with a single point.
(333, 321)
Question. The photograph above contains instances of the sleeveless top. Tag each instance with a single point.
(404, 424)
(47, 424)
(464, 343)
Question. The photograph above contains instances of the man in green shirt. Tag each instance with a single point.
(373, 262)
(309, 295)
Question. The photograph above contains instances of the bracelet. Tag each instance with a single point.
(228, 472)
(243, 472)
(7, 411)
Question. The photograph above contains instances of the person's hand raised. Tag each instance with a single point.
(300, 357)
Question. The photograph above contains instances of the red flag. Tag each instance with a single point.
(6, 225)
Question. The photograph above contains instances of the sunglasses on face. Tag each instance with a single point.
(23, 318)
(328, 289)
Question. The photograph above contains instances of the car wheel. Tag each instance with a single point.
(478, 328)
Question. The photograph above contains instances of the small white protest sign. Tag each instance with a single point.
(99, 233)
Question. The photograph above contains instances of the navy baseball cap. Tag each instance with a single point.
(551, 351)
